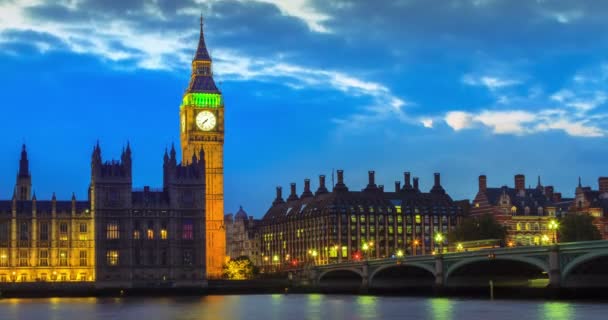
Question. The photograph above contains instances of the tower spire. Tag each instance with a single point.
(201, 51)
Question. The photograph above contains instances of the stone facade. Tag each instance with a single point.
(45, 241)
(242, 236)
(526, 212)
(594, 203)
(339, 225)
(149, 238)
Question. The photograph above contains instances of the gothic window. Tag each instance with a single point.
(4, 231)
(83, 236)
(43, 258)
(188, 257)
(163, 231)
(23, 258)
(150, 231)
(3, 258)
(527, 211)
(63, 258)
(112, 257)
(513, 210)
(112, 230)
(63, 231)
(83, 258)
(188, 231)
(24, 234)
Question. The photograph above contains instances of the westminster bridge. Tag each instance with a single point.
(565, 265)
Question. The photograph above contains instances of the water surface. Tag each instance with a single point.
(292, 306)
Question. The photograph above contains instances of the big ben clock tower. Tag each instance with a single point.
(202, 126)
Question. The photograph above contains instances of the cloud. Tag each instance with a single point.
(303, 10)
(459, 120)
(490, 82)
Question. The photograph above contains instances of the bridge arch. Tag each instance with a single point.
(580, 260)
(531, 262)
(400, 276)
(353, 270)
(404, 264)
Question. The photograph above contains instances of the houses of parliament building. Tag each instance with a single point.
(120, 236)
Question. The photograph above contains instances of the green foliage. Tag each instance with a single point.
(478, 228)
(577, 227)
(240, 268)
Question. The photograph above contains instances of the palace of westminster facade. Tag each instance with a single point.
(121, 237)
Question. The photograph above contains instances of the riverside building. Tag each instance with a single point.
(329, 226)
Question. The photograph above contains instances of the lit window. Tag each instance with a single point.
(112, 257)
(43, 258)
(418, 219)
(163, 234)
(63, 231)
(63, 258)
(112, 232)
(150, 234)
(44, 231)
(188, 231)
(23, 257)
(136, 234)
(3, 258)
(83, 258)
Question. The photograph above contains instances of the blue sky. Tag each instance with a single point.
(461, 87)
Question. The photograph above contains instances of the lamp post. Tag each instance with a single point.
(439, 240)
(399, 254)
(554, 225)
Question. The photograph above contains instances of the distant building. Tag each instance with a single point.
(241, 236)
(148, 238)
(526, 212)
(334, 226)
(593, 203)
(44, 241)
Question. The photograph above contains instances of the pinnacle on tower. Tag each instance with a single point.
(201, 50)
(24, 170)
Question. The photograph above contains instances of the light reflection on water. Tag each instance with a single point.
(294, 306)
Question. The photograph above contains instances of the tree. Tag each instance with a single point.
(578, 227)
(478, 228)
(240, 268)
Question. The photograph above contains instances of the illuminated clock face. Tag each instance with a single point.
(205, 120)
(183, 123)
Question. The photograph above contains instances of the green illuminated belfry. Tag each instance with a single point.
(202, 91)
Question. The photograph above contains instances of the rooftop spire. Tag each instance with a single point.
(24, 170)
(201, 51)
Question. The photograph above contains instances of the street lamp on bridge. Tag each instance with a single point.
(439, 240)
(554, 225)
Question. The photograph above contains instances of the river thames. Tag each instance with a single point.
(294, 306)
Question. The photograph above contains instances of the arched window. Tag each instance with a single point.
(513, 210)
(527, 211)
(518, 227)
(540, 211)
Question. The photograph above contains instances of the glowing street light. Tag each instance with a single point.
(414, 245)
(399, 253)
(439, 240)
(459, 247)
(554, 225)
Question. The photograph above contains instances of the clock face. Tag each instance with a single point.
(205, 120)
(183, 123)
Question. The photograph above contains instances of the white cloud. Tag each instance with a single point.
(506, 122)
(459, 120)
(427, 122)
(490, 82)
(303, 10)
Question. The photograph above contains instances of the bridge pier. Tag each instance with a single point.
(555, 273)
(364, 279)
(439, 275)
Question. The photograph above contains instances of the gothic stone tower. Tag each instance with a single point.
(202, 127)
